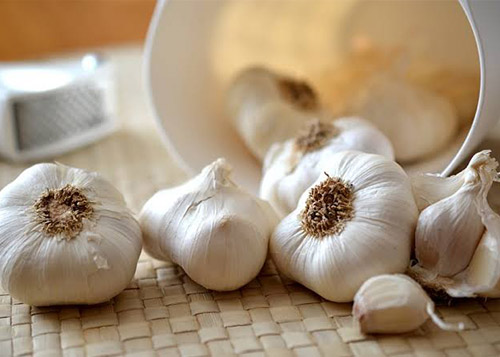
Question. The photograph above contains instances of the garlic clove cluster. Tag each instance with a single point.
(457, 240)
(418, 122)
(356, 221)
(217, 232)
(394, 304)
(292, 166)
(66, 237)
(267, 107)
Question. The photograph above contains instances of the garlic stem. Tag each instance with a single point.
(440, 323)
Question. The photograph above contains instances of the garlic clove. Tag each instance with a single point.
(448, 232)
(483, 272)
(418, 123)
(292, 166)
(217, 232)
(267, 107)
(482, 276)
(394, 304)
(356, 221)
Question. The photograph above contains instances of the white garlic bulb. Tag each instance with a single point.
(66, 237)
(291, 167)
(457, 239)
(418, 122)
(214, 230)
(356, 221)
(394, 304)
(267, 107)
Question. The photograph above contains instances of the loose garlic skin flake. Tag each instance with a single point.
(394, 304)
(66, 237)
(418, 122)
(218, 233)
(267, 107)
(291, 167)
(353, 224)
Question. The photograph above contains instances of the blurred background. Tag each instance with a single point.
(36, 28)
(36, 33)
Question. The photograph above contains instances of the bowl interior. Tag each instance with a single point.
(195, 48)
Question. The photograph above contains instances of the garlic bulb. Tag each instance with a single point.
(418, 123)
(214, 230)
(267, 107)
(66, 237)
(291, 167)
(457, 235)
(394, 304)
(356, 221)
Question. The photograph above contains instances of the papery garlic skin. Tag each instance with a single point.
(448, 231)
(394, 304)
(214, 230)
(290, 169)
(417, 122)
(374, 235)
(267, 107)
(91, 265)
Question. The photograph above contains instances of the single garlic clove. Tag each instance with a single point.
(291, 167)
(267, 107)
(417, 122)
(217, 232)
(448, 232)
(482, 276)
(394, 304)
(356, 221)
(483, 272)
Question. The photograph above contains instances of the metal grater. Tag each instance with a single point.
(38, 124)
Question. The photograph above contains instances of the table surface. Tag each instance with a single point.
(163, 312)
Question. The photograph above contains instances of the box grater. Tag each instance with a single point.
(49, 108)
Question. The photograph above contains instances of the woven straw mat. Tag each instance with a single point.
(163, 312)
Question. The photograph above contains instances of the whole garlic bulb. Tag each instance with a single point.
(214, 230)
(458, 235)
(394, 304)
(291, 167)
(356, 221)
(418, 122)
(267, 107)
(66, 237)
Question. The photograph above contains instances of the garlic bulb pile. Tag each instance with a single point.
(66, 237)
(418, 122)
(394, 304)
(457, 240)
(218, 233)
(267, 107)
(291, 167)
(356, 221)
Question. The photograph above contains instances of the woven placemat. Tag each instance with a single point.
(164, 313)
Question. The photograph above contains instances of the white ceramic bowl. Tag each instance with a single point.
(194, 47)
